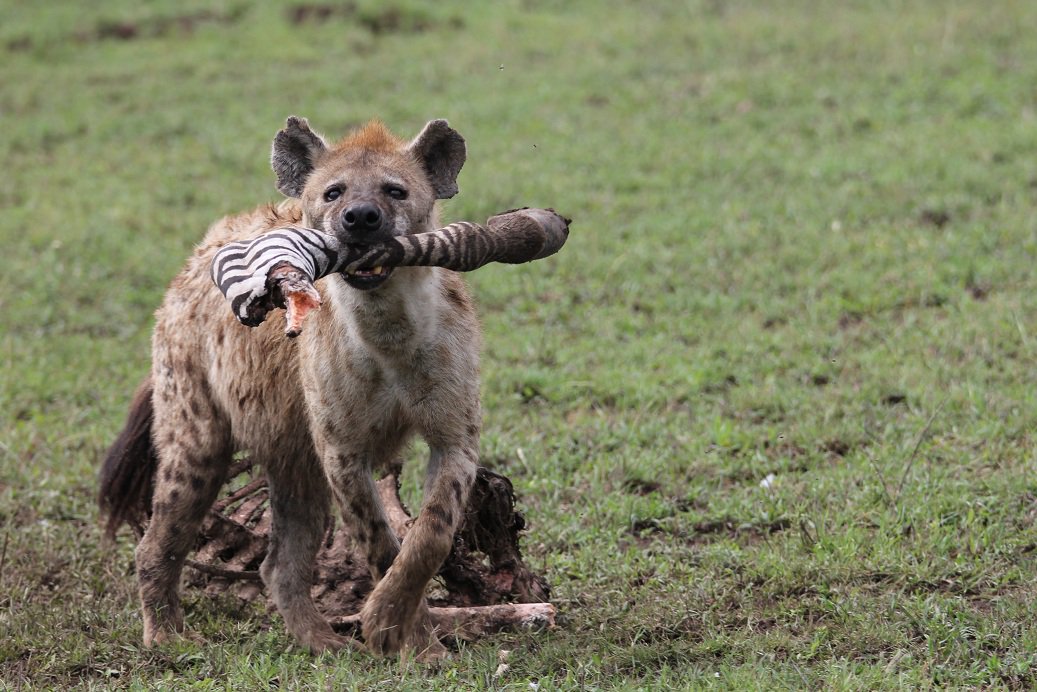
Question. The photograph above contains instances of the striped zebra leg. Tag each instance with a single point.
(278, 269)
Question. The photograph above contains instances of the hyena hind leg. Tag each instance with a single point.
(299, 503)
(191, 471)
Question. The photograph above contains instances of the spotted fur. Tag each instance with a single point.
(377, 364)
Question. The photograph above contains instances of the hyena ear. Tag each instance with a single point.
(441, 150)
(295, 152)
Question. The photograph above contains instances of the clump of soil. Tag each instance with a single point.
(484, 568)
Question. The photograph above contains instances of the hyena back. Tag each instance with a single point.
(390, 354)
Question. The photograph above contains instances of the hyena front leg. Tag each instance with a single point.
(362, 509)
(395, 615)
(353, 484)
(194, 450)
(349, 473)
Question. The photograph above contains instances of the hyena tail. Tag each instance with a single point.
(128, 472)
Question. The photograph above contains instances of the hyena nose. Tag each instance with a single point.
(362, 218)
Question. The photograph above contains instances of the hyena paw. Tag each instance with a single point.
(392, 624)
(426, 645)
(319, 641)
(384, 623)
(166, 636)
(162, 626)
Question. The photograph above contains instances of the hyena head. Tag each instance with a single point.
(371, 186)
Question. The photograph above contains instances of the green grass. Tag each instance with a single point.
(803, 246)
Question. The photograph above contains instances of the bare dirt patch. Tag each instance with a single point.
(179, 25)
(389, 19)
(706, 531)
(133, 30)
(703, 532)
(938, 218)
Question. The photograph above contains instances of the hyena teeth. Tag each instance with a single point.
(377, 271)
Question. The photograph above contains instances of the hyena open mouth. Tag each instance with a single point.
(367, 279)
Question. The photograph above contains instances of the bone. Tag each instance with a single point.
(399, 519)
(300, 297)
(278, 269)
(474, 622)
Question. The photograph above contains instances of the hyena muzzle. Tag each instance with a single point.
(393, 352)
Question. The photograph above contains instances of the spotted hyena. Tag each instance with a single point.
(391, 353)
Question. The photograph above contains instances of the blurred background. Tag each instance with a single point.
(769, 413)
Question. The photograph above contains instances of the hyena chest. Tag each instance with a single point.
(384, 361)
(382, 385)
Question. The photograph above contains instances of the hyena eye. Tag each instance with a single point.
(332, 193)
(396, 192)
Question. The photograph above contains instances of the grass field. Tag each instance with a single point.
(771, 413)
